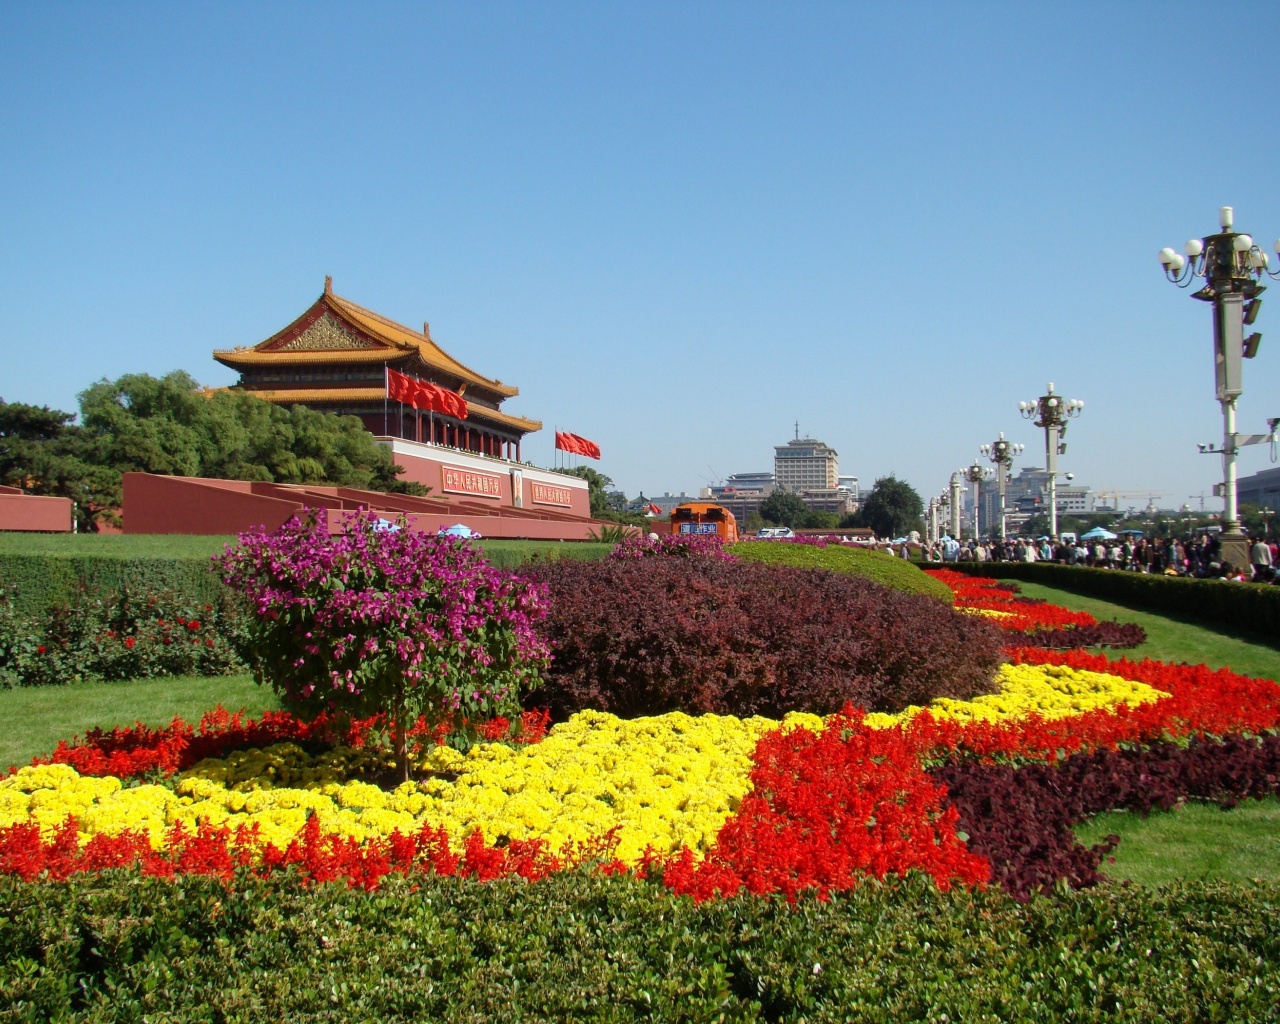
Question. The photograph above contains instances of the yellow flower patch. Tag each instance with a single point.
(1051, 691)
(666, 782)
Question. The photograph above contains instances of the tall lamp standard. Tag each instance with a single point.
(1002, 453)
(942, 502)
(955, 503)
(1051, 412)
(1232, 267)
(975, 474)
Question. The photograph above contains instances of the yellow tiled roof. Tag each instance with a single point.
(432, 354)
(255, 357)
(402, 340)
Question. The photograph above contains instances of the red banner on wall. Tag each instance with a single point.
(567, 442)
(457, 480)
(548, 494)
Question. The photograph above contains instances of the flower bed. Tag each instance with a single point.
(1040, 623)
(962, 790)
(713, 804)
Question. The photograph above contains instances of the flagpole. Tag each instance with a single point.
(386, 387)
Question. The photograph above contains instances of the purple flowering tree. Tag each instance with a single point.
(387, 621)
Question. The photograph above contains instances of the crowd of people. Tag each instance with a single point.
(1190, 556)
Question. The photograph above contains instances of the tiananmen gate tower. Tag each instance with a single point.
(341, 358)
(334, 358)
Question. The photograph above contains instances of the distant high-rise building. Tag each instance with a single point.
(805, 465)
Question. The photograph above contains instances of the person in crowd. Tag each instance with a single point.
(1259, 557)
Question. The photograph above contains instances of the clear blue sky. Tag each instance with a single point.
(677, 227)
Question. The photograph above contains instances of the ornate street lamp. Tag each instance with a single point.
(933, 520)
(975, 474)
(1232, 267)
(955, 502)
(1002, 453)
(1051, 412)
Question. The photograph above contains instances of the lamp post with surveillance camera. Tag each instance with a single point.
(1002, 453)
(1232, 268)
(1051, 412)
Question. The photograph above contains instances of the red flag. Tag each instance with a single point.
(653, 510)
(577, 444)
(399, 387)
(424, 395)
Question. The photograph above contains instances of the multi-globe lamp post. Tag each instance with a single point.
(1051, 412)
(1231, 267)
(1002, 453)
(975, 474)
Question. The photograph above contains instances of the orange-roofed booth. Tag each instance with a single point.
(342, 358)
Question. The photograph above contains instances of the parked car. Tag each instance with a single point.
(774, 532)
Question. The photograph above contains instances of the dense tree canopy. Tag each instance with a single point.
(893, 508)
(784, 509)
(170, 425)
(606, 505)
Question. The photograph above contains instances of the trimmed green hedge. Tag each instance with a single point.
(121, 947)
(896, 573)
(1245, 606)
(511, 554)
(42, 571)
(38, 582)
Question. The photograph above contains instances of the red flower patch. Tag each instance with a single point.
(826, 811)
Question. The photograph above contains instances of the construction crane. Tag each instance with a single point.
(1115, 497)
(1201, 497)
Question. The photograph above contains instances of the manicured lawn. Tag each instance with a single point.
(35, 718)
(1169, 640)
(501, 552)
(111, 545)
(1198, 841)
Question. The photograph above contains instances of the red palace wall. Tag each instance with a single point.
(33, 513)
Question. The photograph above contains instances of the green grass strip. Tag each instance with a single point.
(36, 718)
(1197, 842)
(97, 545)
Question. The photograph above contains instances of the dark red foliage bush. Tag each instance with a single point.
(1104, 634)
(647, 636)
(1021, 818)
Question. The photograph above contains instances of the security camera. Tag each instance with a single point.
(1070, 477)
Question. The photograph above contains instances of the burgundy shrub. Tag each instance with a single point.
(1102, 634)
(647, 636)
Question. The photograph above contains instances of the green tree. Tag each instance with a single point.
(818, 519)
(42, 452)
(784, 509)
(1036, 526)
(169, 425)
(606, 504)
(892, 508)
